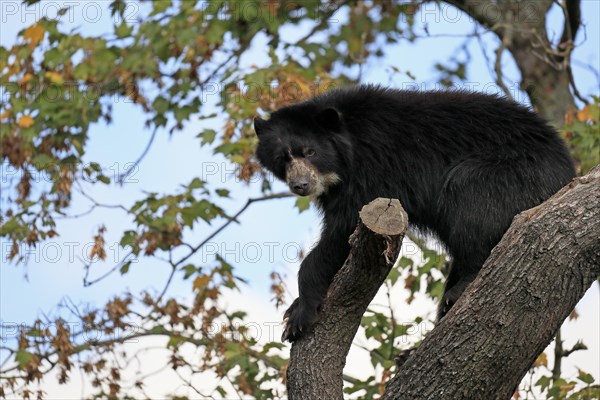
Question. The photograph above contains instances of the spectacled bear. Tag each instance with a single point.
(462, 165)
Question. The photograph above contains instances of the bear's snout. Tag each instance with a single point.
(300, 186)
(301, 177)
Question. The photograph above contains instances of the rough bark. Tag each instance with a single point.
(484, 346)
(520, 25)
(317, 359)
(528, 286)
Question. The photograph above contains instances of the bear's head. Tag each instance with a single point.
(302, 148)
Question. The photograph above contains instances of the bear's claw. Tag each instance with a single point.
(297, 319)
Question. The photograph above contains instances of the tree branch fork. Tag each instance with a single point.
(484, 346)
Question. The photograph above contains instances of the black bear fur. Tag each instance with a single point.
(462, 165)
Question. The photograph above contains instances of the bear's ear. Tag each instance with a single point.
(259, 125)
(330, 119)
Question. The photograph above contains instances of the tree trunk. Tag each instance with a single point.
(486, 343)
(521, 27)
(318, 358)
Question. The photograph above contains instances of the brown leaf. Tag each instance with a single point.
(574, 315)
(34, 34)
(26, 78)
(98, 249)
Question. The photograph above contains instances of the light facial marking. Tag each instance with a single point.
(304, 179)
(301, 176)
(325, 181)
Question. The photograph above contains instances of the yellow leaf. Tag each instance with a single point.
(26, 78)
(201, 282)
(583, 115)
(588, 114)
(54, 77)
(35, 33)
(567, 388)
(5, 115)
(25, 121)
(542, 360)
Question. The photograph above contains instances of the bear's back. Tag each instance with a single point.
(456, 121)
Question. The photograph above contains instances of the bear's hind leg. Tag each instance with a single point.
(455, 286)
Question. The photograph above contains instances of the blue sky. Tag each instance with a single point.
(175, 160)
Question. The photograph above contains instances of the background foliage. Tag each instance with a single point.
(57, 83)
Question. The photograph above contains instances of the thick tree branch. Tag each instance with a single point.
(486, 343)
(520, 25)
(317, 360)
(493, 15)
(529, 285)
(572, 12)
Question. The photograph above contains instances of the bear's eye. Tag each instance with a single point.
(309, 152)
(281, 157)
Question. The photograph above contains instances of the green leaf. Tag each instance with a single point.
(3, 54)
(185, 36)
(159, 6)
(183, 113)
(238, 314)
(393, 276)
(272, 345)
(238, 159)
(23, 358)
(104, 179)
(232, 350)
(123, 30)
(41, 161)
(303, 203)
(201, 209)
(175, 341)
(157, 330)
(9, 226)
(405, 262)
(215, 32)
(196, 183)
(189, 269)
(207, 136)
(161, 105)
(53, 58)
(117, 7)
(436, 289)
(128, 238)
(125, 268)
(585, 377)
(401, 330)
(543, 383)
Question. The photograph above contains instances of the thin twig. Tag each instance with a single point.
(119, 265)
(498, 65)
(171, 275)
(195, 249)
(324, 23)
(233, 219)
(124, 175)
(101, 205)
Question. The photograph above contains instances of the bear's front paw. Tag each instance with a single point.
(298, 319)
